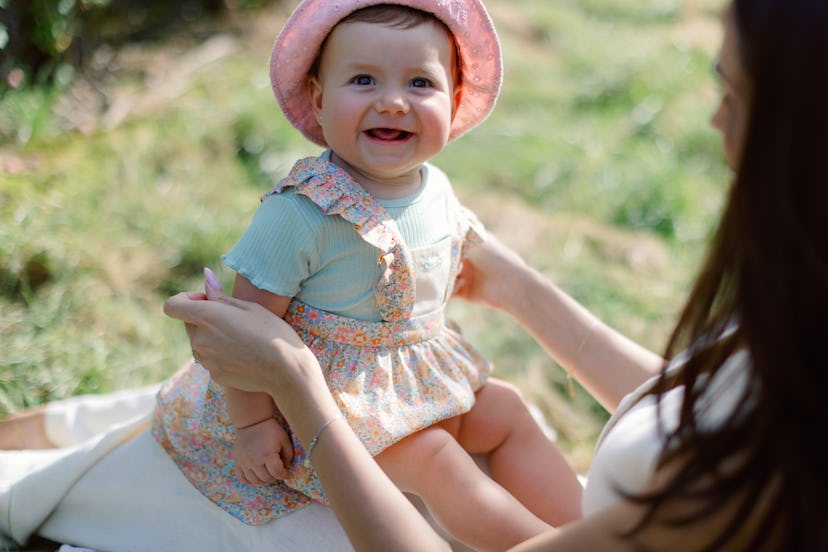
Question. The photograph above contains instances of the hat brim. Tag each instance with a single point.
(310, 23)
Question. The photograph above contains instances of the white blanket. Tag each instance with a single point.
(111, 487)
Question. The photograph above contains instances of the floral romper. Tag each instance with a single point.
(390, 378)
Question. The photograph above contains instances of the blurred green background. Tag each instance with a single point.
(136, 139)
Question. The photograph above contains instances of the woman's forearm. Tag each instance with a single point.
(606, 363)
(373, 512)
(371, 509)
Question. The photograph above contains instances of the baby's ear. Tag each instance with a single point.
(315, 91)
(458, 96)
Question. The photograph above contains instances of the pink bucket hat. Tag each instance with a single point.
(311, 22)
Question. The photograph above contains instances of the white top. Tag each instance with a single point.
(629, 447)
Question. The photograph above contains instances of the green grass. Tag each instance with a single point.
(600, 142)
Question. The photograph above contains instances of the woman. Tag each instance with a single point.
(728, 456)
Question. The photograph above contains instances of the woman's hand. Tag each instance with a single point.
(605, 362)
(245, 346)
(490, 273)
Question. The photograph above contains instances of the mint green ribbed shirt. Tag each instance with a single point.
(292, 249)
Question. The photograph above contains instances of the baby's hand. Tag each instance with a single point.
(263, 452)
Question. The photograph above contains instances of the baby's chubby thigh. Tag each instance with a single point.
(500, 413)
(454, 450)
(452, 454)
(426, 462)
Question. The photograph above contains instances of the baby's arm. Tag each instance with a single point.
(263, 450)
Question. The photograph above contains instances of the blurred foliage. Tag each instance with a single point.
(47, 40)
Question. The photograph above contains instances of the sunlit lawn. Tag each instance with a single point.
(598, 165)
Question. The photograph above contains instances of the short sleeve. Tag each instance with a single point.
(474, 229)
(278, 250)
(469, 228)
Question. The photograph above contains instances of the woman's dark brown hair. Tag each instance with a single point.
(764, 289)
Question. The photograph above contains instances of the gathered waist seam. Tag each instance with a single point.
(364, 333)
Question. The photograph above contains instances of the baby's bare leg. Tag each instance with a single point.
(464, 500)
(26, 430)
(521, 457)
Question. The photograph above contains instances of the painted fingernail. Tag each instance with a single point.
(211, 279)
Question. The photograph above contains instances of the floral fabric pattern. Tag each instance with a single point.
(390, 378)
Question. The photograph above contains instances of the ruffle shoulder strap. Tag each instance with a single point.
(337, 194)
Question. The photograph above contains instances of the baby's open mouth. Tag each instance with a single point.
(391, 134)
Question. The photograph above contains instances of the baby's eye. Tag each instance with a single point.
(420, 83)
(363, 80)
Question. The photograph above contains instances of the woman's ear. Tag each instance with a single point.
(315, 91)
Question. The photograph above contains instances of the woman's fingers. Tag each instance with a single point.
(219, 313)
(180, 306)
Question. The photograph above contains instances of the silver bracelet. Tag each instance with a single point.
(315, 438)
